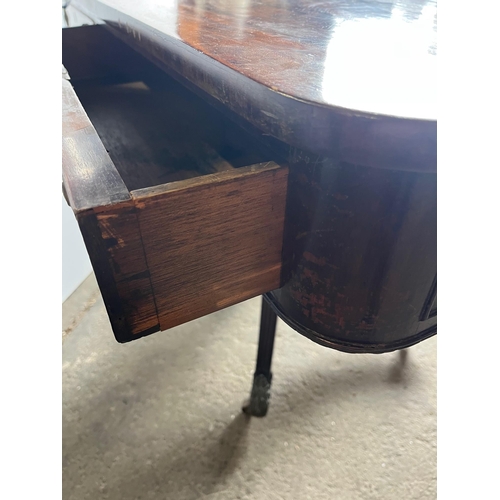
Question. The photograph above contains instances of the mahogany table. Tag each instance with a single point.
(218, 150)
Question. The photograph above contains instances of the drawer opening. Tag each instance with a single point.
(156, 131)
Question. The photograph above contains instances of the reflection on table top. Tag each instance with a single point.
(370, 56)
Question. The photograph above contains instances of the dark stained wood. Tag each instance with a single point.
(93, 53)
(161, 133)
(106, 215)
(114, 244)
(213, 241)
(89, 176)
(122, 239)
(359, 254)
(296, 70)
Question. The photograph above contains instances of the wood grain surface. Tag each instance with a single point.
(200, 235)
(359, 255)
(106, 215)
(114, 244)
(89, 175)
(354, 81)
(213, 241)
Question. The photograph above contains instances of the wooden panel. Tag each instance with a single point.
(213, 241)
(89, 176)
(121, 239)
(359, 254)
(115, 249)
(108, 222)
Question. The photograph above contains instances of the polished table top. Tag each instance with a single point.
(371, 59)
(370, 56)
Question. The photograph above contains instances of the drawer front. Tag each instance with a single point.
(169, 253)
(213, 241)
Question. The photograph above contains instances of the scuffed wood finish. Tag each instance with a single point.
(213, 241)
(359, 255)
(114, 244)
(354, 81)
(108, 222)
(121, 236)
(89, 176)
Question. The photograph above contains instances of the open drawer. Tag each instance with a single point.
(181, 210)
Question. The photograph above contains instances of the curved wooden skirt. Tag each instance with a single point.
(359, 261)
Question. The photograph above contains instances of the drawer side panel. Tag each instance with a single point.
(114, 245)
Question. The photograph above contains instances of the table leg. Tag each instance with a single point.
(259, 397)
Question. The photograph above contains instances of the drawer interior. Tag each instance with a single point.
(155, 130)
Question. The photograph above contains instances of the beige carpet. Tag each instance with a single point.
(160, 418)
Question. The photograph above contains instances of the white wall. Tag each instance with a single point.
(75, 260)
